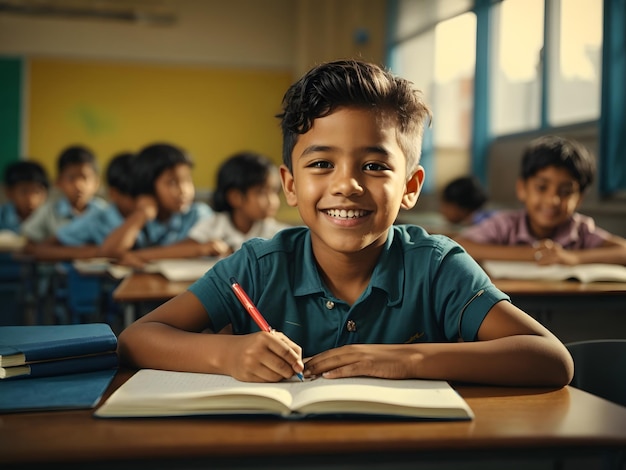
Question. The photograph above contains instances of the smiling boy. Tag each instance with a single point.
(554, 176)
(351, 292)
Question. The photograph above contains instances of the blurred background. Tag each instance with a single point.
(209, 76)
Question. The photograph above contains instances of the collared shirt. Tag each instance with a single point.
(9, 219)
(220, 227)
(52, 215)
(175, 229)
(511, 228)
(424, 288)
(91, 228)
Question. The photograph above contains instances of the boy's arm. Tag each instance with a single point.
(123, 237)
(612, 251)
(482, 251)
(173, 337)
(511, 349)
(54, 251)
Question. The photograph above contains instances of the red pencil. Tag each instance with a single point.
(253, 311)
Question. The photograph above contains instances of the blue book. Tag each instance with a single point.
(72, 365)
(61, 392)
(26, 344)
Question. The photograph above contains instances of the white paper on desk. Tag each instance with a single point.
(182, 269)
(11, 241)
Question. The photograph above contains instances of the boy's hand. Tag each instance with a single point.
(386, 361)
(548, 252)
(263, 357)
(132, 260)
(148, 206)
(216, 248)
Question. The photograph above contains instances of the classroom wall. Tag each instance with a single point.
(211, 81)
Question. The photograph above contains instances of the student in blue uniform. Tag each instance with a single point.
(26, 188)
(78, 182)
(164, 202)
(351, 293)
(83, 236)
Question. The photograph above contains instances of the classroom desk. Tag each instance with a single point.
(574, 311)
(515, 424)
(138, 288)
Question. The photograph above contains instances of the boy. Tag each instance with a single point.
(462, 201)
(555, 173)
(78, 181)
(164, 204)
(26, 188)
(82, 237)
(351, 292)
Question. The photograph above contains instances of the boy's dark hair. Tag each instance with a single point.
(241, 171)
(118, 174)
(153, 160)
(352, 83)
(25, 171)
(466, 192)
(557, 151)
(74, 155)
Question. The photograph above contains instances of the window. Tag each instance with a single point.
(516, 51)
(574, 73)
(441, 62)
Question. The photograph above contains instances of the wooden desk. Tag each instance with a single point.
(138, 288)
(572, 310)
(510, 423)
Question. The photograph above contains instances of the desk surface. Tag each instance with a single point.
(507, 420)
(140, 287)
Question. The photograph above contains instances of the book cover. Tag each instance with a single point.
(71, 365)
(71, 391)
(166, 393)
(23, 344)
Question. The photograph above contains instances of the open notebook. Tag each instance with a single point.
(524, 270)
(166, 393)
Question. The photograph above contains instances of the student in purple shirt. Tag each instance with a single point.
(555, 173)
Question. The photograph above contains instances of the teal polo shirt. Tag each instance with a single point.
(424, 288)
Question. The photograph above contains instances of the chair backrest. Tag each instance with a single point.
(600, 368)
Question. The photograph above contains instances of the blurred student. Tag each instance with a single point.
(26, 188)
(246, 200)
(164, 209)
(83, 236)
(78, 181)
(463, 200)
(555, 174)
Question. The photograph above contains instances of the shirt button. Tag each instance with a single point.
(351, 326)
(330, 304)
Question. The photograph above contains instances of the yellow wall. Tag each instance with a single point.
(113, 107)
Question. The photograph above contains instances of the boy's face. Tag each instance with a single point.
(551, 196)
(27, 196)
(79, 182)
(174, 189)
(258, 202)
(349, 181)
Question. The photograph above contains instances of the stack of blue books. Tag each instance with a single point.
(55, 366)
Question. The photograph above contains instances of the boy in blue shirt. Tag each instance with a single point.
(78, 182)
(352, 293)
(164, 209)
(82, 237)
(26, 188)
